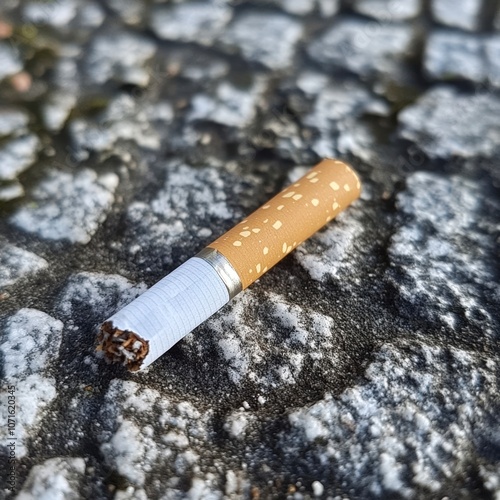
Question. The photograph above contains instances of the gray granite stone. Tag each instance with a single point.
(12, 121)
(451, 55)
(63, 16)
(30, 345)
(230, 106)
(29, 348)
(125, 119)
(68, 207)
(65, 90)
(465, 15)
(121, 57)
(363, 47)
(440, 122)
(193, 21)
(337, 112)
(130, 11)
(17, 263)
(451, 275)
(10, 63)
(11, 191)
(402, 441)
(299, 340)
(17, 155)
(189, 198)
(56, 478)
(83, 295)
(57, 14)
(389, 10)
(276, 44)
(326, 8)
(178, 440)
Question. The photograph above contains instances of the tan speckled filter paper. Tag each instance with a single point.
(271, 232)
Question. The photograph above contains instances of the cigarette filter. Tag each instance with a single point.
(150, 325)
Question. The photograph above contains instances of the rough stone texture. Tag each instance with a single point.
(119, 56)
(366, 364)
(401, 438)
(459, 241)
(17, 263)
(57, 478)
(230, 106)
(12, 120)
(68, 207)
(199, 22)
(389, 10)
(465, 14)
(11, 191)
(17, 155)
(325, 8)
(452, 55)
(275, 45)
(29, 349)
(362, 47)
(440, 122)
(125, 119)
(64, 16)
(10, 63)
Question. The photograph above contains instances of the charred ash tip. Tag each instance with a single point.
(122, 346)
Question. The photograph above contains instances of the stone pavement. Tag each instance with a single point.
(366, 364)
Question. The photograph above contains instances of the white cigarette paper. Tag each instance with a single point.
(150, 325)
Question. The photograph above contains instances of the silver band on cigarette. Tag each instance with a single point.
(224, 269)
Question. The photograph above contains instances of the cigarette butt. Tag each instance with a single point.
(150, 325)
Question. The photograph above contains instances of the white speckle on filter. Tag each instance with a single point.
(277, 224)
